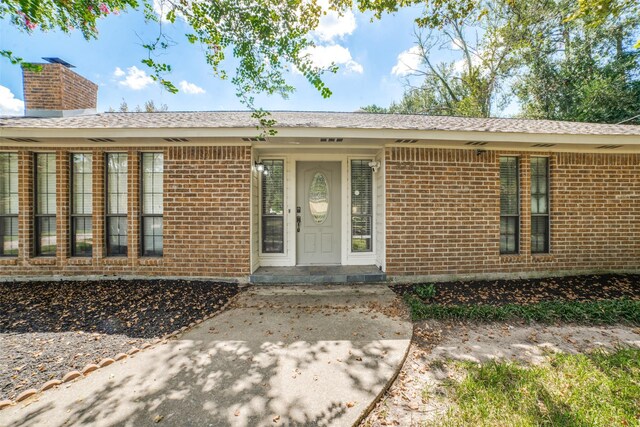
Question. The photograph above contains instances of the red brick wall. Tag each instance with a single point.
(443, 213)
(206, 216)
(56, 87)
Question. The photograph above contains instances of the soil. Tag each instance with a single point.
(50, 328)
(435, 343)
(531, 291)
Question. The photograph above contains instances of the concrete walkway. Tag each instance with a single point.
(279, 356)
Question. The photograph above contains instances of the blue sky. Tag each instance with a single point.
(372, 58)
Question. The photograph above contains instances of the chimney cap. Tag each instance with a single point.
(55, 60)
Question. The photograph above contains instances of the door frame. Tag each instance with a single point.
(288, 258)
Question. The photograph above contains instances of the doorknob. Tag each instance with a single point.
(298, 220)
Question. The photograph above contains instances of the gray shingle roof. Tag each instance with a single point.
(304, 119)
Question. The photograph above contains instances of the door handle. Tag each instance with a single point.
(298, 221)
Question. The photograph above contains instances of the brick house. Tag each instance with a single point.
(200, 194)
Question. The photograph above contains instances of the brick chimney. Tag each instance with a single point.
(56, 91)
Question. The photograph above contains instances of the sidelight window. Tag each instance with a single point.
(273, 206)
(361, 206)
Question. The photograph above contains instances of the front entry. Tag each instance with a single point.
(318, 210)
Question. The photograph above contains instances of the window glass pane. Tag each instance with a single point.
(8, 184)
(9, 236)
(152, 236)
(272, 234)
(361, 205)
(539, 234)
(47, 235)
(82, 179)
(46, 184)
(508, 235)
(83, 236)
(509, 186)
(152, 183)
(273, 206)
(540, 205)
(116, 236)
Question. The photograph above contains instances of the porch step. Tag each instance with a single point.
(318, 274)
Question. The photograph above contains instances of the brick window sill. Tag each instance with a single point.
(150, 261)
(43, 261)
(79, 261)
(9, 261)
(511, 258)
(115, 260)
(542, 258)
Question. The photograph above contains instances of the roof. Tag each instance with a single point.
(305, 119)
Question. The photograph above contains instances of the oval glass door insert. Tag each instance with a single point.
(319, 198)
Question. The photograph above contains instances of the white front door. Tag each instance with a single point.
(318, 210)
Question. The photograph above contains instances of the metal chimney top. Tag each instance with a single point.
(59, 61)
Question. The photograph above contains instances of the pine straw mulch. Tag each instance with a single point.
(532, 291)
(50, 328)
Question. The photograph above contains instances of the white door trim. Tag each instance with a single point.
(288, 258)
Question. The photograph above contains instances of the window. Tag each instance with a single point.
(45, 201)
(539, 205)
(81, 205)
(152, 203)
(361, 206)
(509, 205)
(273, 206)
(8, 204)
(116, 223)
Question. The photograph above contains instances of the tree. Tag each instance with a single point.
(573, 69)
(149, 107)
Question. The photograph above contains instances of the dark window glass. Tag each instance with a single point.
(539, 205)
(273, 206)
(8, 204)
(509, 205)
(117, 174)
(45, 209)
(81, 204)
(361, 206)
(152, 203)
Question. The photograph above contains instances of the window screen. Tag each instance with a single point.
(273, 206)
(152, 203)
(509, 205)
(8, 204)
(361, 206)
(45, 200)
(116, 226)
(539, 205)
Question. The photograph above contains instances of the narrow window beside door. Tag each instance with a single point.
(361, 206)
(81, 205)
(45, 200)
(8, 204)
(117, 171)
(509, 205)
(273, 207)
(539, 205)
(152, 203)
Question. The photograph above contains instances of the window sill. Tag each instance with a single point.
(150, 261)
(547, 257)
(9, 261)
(80, 261)
(116, 260)
(43, 261)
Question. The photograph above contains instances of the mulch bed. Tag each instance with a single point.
(531, 291)
(50, 328)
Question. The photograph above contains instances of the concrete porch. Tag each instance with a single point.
(318, 274)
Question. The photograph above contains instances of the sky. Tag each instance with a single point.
(374, 59)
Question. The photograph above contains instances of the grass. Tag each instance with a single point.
(596, 389)
(604, 312)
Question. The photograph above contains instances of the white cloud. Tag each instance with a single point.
(9, 104)
(408, 61)
(324, 56)
(456, 44)
(190, 88)
(332, 25)
(134, 78)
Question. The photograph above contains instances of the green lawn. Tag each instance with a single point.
(598, 389)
